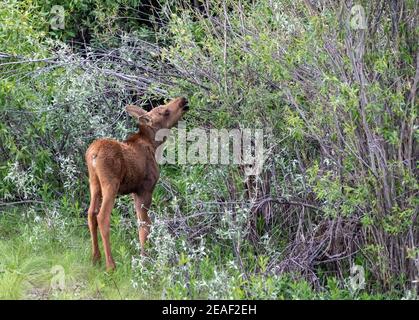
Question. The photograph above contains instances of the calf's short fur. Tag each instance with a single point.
(127, 167)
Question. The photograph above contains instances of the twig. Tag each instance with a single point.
(20, 202)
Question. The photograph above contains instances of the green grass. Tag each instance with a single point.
(26, 264)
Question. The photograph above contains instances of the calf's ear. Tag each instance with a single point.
(145, 120)
(135, 111)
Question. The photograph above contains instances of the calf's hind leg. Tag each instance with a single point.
(109, 192)
(95, 195)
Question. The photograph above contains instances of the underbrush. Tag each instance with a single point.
(45, 256)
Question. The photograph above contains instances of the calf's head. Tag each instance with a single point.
(161, 117)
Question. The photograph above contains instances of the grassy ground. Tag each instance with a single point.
(35, 251)
(31, 267)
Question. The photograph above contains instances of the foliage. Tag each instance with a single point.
(338, 187)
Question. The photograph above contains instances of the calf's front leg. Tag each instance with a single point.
(142, 204)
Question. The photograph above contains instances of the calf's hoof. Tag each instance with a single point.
(96, 259)
(110, 266)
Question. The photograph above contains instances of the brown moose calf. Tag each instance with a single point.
(127, 167)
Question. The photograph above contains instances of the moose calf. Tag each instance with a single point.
(127, 167)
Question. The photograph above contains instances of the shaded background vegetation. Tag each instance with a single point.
(339, 185)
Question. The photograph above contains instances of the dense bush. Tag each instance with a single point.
(339, 184)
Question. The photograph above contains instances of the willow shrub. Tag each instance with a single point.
(338, 87)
